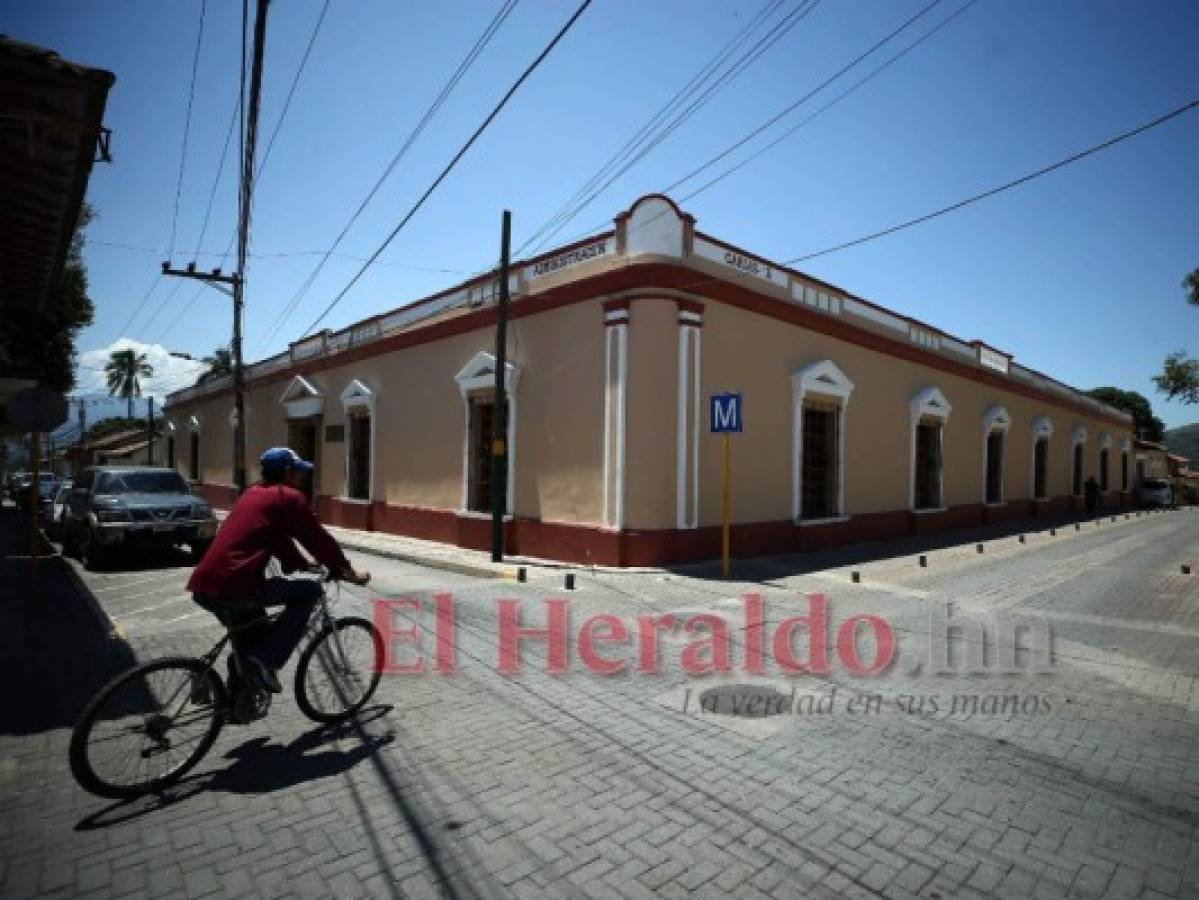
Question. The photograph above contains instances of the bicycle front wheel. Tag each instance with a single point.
(147, 727)
(339, 670)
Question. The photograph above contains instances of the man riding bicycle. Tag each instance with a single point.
(231, 583)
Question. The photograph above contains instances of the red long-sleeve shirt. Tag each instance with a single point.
(263, 523)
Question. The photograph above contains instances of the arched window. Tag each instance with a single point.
(476, 382)
(820, 395)
(358, 402)
(929, 413)
(996, 422)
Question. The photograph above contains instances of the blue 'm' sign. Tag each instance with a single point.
(726, 413)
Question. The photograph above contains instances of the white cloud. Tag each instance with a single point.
(170, 372)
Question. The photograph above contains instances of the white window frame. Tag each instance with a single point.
(930, 402)
(996, 418)
(826, 379)
(357, 395)
(476, 377)
(302, 399)
(1078, 435)
(1042, 427)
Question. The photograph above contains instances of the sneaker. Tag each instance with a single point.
(265, 674)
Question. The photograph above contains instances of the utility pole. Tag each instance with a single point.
(236, 281)
(150, 432)
(80, 461)
(499, 417)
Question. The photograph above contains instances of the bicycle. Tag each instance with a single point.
(174, 707)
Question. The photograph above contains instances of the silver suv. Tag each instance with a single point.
(122, 508)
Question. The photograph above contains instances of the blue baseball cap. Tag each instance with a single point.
(280, 459)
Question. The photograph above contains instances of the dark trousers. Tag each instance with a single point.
(270, 643)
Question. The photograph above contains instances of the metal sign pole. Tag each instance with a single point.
(726, 504)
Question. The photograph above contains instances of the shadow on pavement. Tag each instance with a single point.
(258, 767)
(783, 565)
(56, 649)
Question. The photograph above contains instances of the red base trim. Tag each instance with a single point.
(593, 545)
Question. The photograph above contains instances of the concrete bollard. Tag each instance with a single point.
(1021, 539)
(923, 561)
(570, 581)
(1053, 532)
(855, 577)
(1077, 526)
(978, 548)
(522, 574)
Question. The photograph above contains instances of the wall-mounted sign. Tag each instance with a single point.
(570, 258)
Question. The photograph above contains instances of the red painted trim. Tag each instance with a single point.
(672, 276)
(691, 306)
(616, 304)
(596, 545)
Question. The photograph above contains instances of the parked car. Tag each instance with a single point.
(18, 482)
(46, 486)
(118, 508)
(52, 512)
(1155, 492)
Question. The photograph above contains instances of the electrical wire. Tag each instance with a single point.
(1024, 179)
(187, 122)
(680, 96)
(878, 70)
(463, 67)
(291, 91)
(723, 80)
(452, 163)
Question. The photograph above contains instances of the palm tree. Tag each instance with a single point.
(125, 368)
(220, 363)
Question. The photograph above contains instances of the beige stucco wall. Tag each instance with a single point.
(420, 419)
(756, 355)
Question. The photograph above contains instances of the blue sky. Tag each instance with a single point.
(1077, 274)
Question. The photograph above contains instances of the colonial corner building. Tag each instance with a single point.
(858, 423)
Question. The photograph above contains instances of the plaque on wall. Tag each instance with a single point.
(335, 434)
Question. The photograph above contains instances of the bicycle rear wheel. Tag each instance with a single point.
(148, 727)
(339, 670)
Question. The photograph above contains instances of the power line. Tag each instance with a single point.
(316, 29)
(479, 45)
(453, 162)
(723, 80)
(878, 70)
(794, 105)
(791, 107)
(187, 122)
(219, 171)
(1024, 179)
(680, 96)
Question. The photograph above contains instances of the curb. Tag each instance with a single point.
(429, 562)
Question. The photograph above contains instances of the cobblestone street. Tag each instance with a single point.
(906, 783)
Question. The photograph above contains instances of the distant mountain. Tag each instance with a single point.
(1184, 441)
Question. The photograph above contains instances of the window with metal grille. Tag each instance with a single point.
(193, 464)
(995, 467)
(359, 451)
(482, 413)
(928, 464)
(1103, 469)
(1076, 474)
(819, 462)
(1040, 467)
(1123, 471)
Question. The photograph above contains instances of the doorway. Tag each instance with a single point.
(303, 436)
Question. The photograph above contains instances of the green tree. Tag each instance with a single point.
(124, 372)
(220, 363)
(1179, 379)
(37, 340)
(1145, 424)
